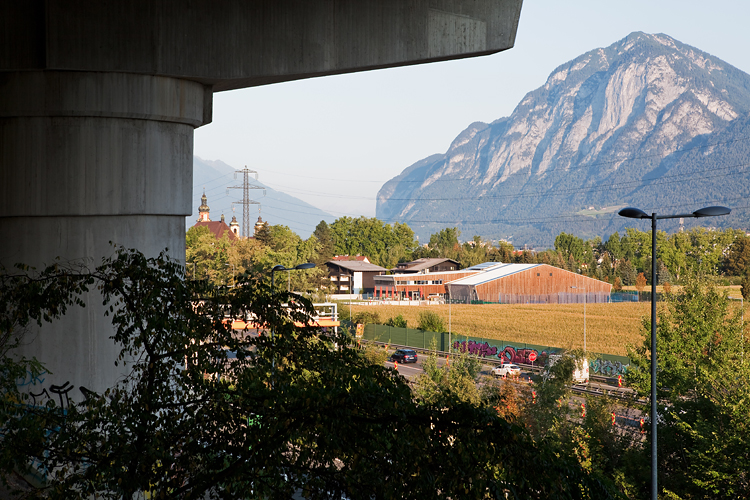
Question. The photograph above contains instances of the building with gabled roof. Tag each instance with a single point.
(217, 228)
(427, 265)
(422, 285)
(528, 283)
(361, 258)
(353, 276)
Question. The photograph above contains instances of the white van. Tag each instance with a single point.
(580, 373)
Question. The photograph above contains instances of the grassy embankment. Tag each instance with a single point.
(609, 327)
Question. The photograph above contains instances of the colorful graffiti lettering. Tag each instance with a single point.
(476, 348)
(512, 355)
(31, 379)
(607, 368)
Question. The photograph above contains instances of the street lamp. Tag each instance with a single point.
(279, 267)
(635, 213)
(584, 316)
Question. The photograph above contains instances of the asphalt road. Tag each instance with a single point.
(626, 418)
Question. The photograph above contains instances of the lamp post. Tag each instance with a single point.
(636, 213)
(279, 267)
(584, 316)
(450, 340)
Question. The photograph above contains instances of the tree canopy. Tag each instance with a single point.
(210, 412)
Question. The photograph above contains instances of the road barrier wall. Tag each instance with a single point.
(499, 350)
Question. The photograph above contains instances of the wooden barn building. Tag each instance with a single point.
(528, 283)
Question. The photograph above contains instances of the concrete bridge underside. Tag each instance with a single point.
(99, 100)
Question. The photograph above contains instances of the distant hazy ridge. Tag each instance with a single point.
(275, 207)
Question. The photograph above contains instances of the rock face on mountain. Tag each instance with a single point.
(622, 125)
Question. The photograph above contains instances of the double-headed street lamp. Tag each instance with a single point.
(635, 213)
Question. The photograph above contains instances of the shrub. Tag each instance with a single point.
(640, 282)
(430, 321)
(367, 317)
(398, 322)
(374, 354)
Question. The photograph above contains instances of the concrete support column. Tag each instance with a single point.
(89, 158)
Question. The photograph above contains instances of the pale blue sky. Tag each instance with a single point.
(334, 141)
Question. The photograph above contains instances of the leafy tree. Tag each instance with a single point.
(445, 242)
(284, 414)
(703, 392)
(640, 282)
(398, 321)
(384, 244)
(627, 273)
(456, 381)
(473, 253)
(737, 259)
(324, 236)
(613, 246)
(505, 251)
(374, 354)
(367, 318)
(207, 257)
(745, 285)
(430, 321)
(617, 286)
(571, 246)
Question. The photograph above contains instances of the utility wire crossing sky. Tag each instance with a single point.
(334, 141)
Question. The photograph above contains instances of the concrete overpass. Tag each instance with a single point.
(99, 100)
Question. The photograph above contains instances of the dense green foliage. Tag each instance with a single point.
(397, 321)
(703, 393)
(222, 261)
(430, 321)
(286, 413)
(385, 245)
(618, 259)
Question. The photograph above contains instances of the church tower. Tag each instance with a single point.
(259, 225)
(203, 210)
(234, 226)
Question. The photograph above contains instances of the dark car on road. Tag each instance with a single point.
(404, 356)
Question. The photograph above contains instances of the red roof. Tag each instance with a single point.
(219, 229)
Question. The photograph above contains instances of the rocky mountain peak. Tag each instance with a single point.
(644, 97)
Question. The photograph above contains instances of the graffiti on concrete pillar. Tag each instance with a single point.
(31, 379)
(62, 390)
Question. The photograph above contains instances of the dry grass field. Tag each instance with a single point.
(609, 327)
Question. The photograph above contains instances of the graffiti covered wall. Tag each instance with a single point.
(510, 352)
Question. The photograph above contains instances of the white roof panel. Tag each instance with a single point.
(493, 274)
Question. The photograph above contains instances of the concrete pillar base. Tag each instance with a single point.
(87, 159)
